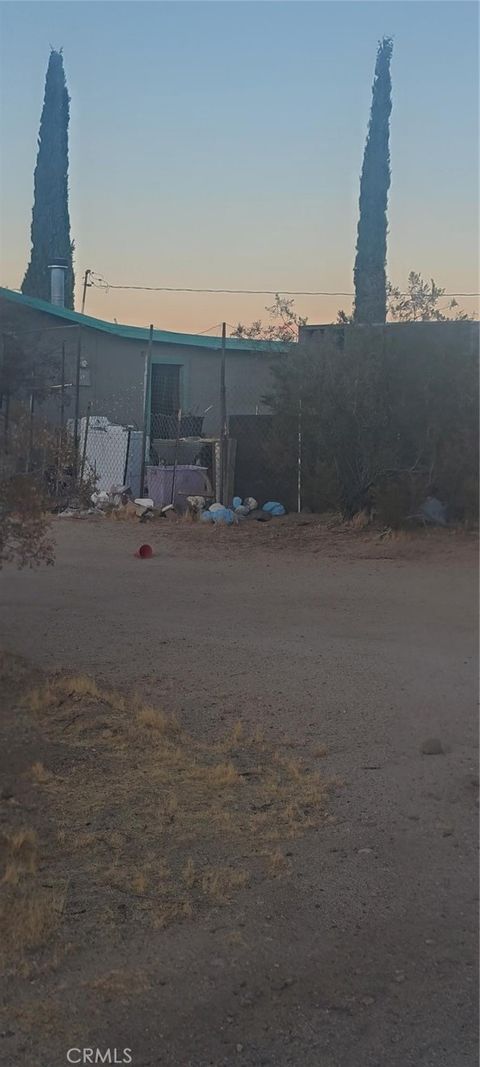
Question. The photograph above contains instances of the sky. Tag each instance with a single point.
(219, 145)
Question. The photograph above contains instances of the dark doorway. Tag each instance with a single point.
(165, 399)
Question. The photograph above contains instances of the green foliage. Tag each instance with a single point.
(382, 423)
(343, 319)
(50, 230)
(369, 270)
(420, 302)
(25, 365)
(284, 327)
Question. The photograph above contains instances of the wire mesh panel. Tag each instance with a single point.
(110, 455)
(169, 426)
(165, 389)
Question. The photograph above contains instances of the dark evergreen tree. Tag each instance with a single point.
(370, 263)
(50, 230)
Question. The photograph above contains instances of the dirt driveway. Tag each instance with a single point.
(363, 953)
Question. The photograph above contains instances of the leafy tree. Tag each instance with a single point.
(284, 327)
(420, 302)
(343, 319)
(369, 271)
(50, 229)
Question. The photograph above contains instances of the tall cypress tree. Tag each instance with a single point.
(50, 230)
(370, 262)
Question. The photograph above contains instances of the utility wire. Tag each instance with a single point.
(216, 326)
(102, 284)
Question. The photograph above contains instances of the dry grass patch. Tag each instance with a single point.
(28, 920)
(71, 689)
(171, 911)
(220, 884)
(189, 873)
(152, 821)
(238, 732)
(18, 855)
(29, 911)
(157, 721)
(119, 985)
(40, 775)
(277, 862)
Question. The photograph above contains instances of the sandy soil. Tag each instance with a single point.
(362, 952)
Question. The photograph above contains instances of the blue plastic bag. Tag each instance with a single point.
(223, 516)
(274, 508)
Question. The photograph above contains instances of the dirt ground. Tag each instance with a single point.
(271, 872)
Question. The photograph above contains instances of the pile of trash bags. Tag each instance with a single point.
(218, 514)
(119, 498)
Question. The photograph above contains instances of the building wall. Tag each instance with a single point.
(113, 381)
(397, 337)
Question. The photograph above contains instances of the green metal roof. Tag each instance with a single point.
(139, 333)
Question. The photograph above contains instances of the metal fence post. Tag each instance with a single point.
(299, 458)
(85, 439)
(175, 457)
(223, 420)
(146, 394)
(28, 464)
(76, 441)
(5, 396)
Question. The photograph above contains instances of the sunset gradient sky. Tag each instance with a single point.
(220, 145)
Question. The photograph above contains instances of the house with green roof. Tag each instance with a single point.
(184, 373)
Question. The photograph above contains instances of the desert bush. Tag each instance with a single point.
(381, 423)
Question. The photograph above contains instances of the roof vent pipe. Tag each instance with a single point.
(58, 270)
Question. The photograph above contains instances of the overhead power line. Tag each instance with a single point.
(100, 283)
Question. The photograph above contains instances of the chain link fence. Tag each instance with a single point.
(49, 430)
(76, 431)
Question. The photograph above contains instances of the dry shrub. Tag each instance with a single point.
(219, 776)
(40, 774)
(238, 732)
(189, 873)
(277, 862)
(360, 521)
(170, 911)
(219, 883)
(157, 721)
(139, 883)
(127, 513)
(19, 854)
(119, 985)
(293, 768)
(28, 920)
(169, 807)
(75, 687)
